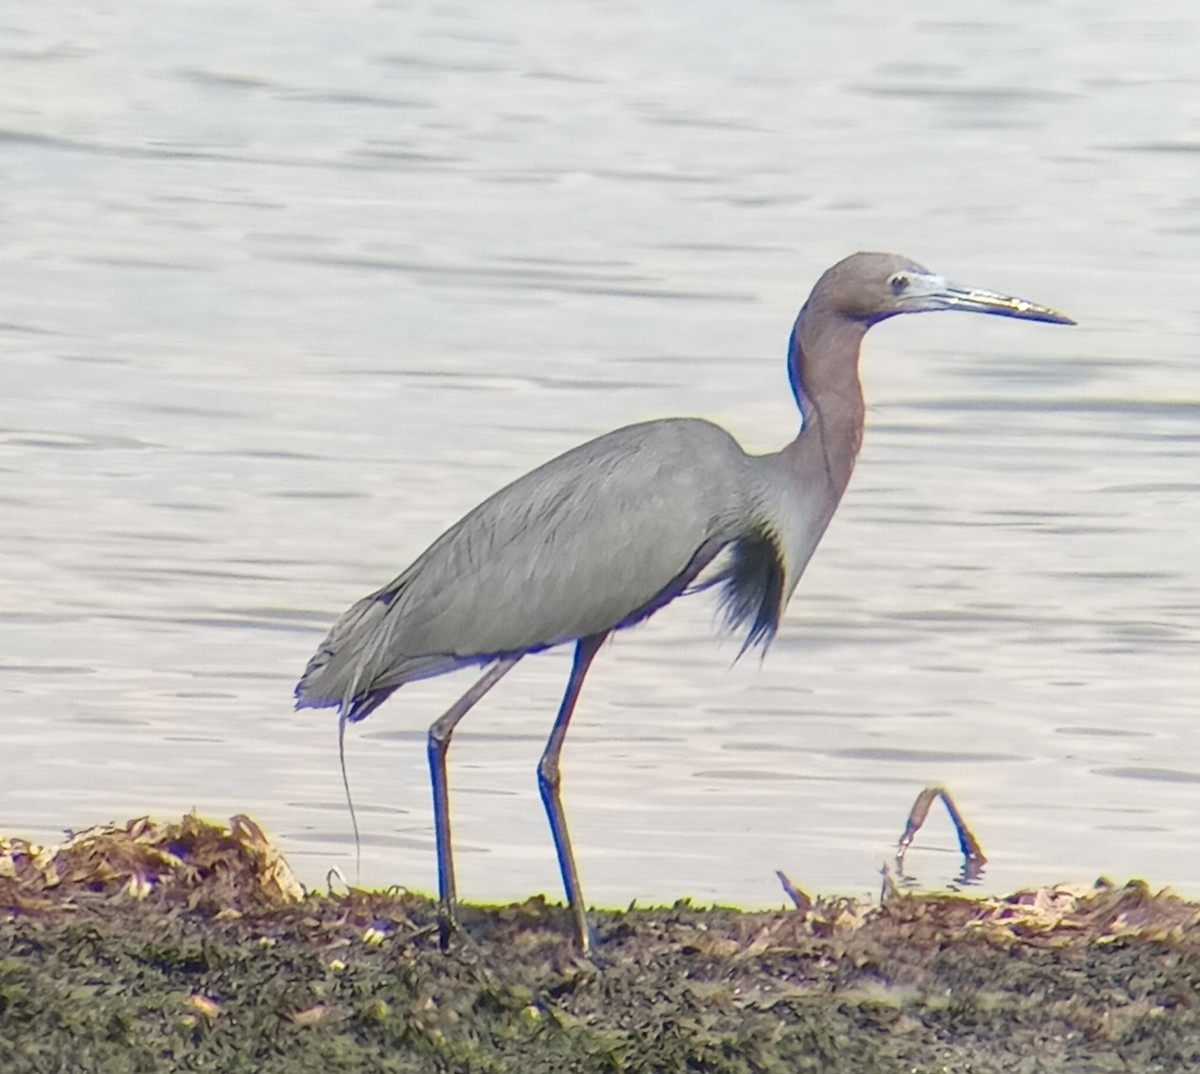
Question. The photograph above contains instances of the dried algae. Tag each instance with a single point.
(189, 946)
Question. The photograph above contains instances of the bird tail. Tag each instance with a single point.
(342, 670)
(360, 664)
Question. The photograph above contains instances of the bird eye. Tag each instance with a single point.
(898, 283)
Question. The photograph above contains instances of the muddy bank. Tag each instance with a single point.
(188, 946)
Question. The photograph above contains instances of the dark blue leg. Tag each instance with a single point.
(549, 780)
(439, 743)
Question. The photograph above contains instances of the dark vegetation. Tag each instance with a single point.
(189, 947)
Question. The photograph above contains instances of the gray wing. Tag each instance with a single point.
(593, 540)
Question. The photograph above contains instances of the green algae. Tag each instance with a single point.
(166, 975)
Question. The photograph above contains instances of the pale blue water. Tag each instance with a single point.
(285, 291)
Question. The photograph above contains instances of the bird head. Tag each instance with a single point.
(870, 287)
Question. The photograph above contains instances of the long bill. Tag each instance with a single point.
(976, 300)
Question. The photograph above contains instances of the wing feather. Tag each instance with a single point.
(594, 540)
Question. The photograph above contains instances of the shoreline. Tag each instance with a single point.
(189, 945)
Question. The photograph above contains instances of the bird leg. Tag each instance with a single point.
(439, 743)
(549, 780)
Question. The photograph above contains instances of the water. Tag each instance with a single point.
(285, 292)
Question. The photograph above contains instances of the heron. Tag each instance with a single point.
(606, 534)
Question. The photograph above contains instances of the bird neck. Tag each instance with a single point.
(823, 370)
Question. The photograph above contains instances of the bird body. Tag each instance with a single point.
(609, 532)
(523, 571)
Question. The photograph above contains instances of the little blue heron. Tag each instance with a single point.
(606, 534)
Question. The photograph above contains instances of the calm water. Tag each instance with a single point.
(285, 292)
